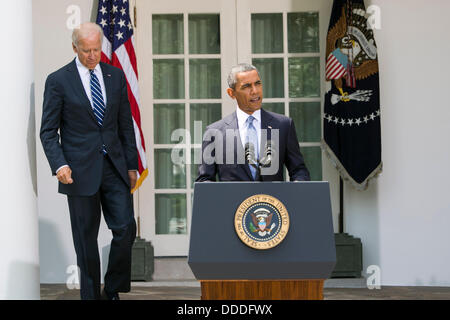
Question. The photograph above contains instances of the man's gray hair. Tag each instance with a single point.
(242, 67)
(85, 30)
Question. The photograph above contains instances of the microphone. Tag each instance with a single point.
(266, 161)
(250, 154)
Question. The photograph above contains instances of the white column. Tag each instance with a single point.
(19, 248)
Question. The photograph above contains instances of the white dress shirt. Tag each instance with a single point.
(85, 76)
(242, 119)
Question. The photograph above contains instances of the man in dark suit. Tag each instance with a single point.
(94, 157)
(251, 144)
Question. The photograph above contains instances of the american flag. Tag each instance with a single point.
(118, 50)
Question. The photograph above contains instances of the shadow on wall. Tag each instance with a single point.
(23, 281)
(56, 261)
(362, 221)
(31, 140)
(104, 260)
(57, 265)
(94, 11)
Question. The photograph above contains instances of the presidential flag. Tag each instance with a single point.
(352, 135)
(118, 50)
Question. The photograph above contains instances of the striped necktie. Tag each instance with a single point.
(97, 99)
(252, 139)
(98, 102)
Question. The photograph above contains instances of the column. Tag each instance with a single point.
(19, 247)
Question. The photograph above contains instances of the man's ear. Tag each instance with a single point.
(231, 93)
(74, 48)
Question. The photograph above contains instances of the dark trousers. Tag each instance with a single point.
(116, 201)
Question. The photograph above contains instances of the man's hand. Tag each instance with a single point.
(133, 178)
(64, 175)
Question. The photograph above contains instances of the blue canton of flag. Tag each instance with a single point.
(114, 18)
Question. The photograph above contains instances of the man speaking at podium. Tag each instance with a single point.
(251, 144)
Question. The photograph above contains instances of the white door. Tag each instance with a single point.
(185, 50)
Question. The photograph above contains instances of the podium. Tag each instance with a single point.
(294, 268)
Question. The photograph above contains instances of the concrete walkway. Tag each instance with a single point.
(334, 289)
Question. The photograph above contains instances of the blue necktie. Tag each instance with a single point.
(98, 102)
(252, 139)
(97, 99)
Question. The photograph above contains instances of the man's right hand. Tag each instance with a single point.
(64, 175)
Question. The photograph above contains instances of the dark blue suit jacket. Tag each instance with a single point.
(80, 139)
(286, 151)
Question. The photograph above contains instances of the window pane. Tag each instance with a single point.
(167, 118)
(205, 81)
(306, 116)
(204, 34)
(168, 34)
(170, 214)
(207, 114)
(196, 159)
(274, 107)
(267, 33)
(168, 79)
(313, 161)
(304, 77)
(272, 76)
(303, 32)
(169, 175)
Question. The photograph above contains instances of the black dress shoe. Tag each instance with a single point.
(110, 296)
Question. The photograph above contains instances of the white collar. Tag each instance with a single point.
(85, 70)
(242, 117)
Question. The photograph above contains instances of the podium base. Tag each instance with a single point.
(262, 289)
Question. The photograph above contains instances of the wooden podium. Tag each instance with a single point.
(295, 269)
(262, 289)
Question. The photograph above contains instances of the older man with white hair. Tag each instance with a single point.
(88, 137)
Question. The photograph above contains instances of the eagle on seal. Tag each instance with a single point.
(261, 220)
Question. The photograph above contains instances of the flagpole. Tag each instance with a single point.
(341, 205)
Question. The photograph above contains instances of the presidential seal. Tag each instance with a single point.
(261, 222)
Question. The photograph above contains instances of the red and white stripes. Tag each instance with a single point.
(124, 58)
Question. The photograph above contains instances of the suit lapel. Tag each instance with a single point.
(78, 87)
(232, 123)
(266, 127)
(107, 80)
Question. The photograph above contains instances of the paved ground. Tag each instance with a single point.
(192, 292)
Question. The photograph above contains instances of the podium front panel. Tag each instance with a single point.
(307, 252)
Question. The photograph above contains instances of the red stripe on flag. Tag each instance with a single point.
(105, 59)
(331, 64)
(132, 55)
(133, 103)
(335, 69)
